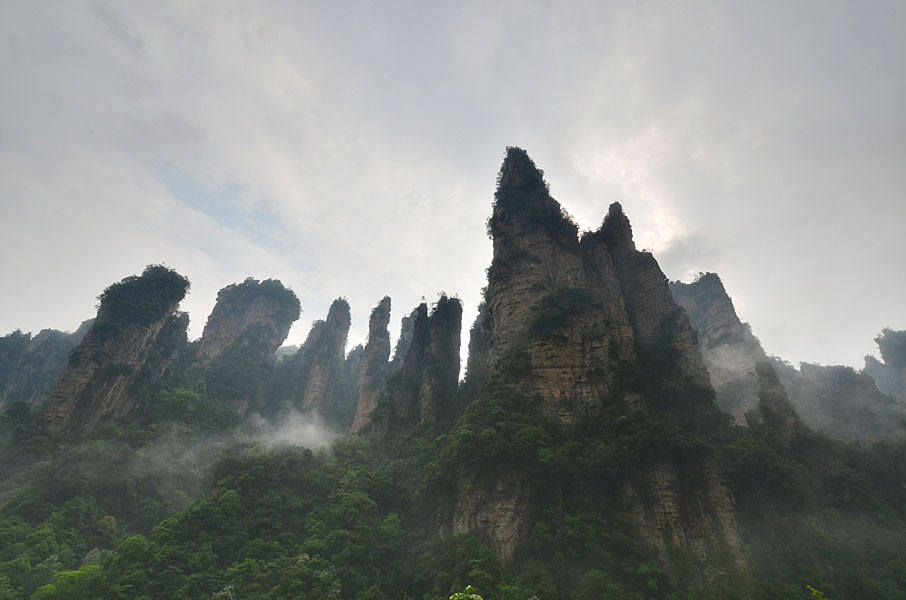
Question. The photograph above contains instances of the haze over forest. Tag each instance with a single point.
(350, 149)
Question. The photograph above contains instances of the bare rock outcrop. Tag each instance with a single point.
(558, 322)
(699, 523)
(126, 351)
(729, 350)
(236, 352)
(407, 329)
(424, 390)
(578, 327)
(317, 368)
(479, 350)
(499, 512)
(374, 365)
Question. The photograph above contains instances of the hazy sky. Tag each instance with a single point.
(351, 148)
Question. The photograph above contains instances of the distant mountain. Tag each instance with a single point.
(835, 400)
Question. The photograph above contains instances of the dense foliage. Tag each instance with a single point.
(139, 300)
(161, 510)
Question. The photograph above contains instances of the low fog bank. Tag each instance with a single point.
(291, 429)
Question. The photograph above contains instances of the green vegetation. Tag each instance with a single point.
(553, 313)
(139, 300)
(522, 194)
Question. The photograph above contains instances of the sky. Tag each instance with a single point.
(351, 148)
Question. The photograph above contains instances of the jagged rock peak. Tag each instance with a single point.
(523, 203)
(380, 319)
(339, 313)
(374, 365)
(616, 229)
(243, 306)
(519, 171)
(319, 363)
(131, 343)
(407, 329)
(249, 322)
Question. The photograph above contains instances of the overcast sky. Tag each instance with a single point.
(351, 148)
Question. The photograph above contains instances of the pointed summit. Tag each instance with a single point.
(522, 202)
(375, 356)
(616, 230)
(519, 171)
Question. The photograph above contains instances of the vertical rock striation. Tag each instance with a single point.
(578, 327)
(424, 389)
(133, 340)
(407, 328)
(236, 352)
(479, 349)
(318, 366)
(374, 365)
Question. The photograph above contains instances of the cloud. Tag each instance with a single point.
(351, 150)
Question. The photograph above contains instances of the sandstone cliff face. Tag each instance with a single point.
(30, 366)
(424, 389)
(133, 340)
(700, 523)
(236, 352)
(265, 307)
(407, 328)
(317, 369)
(580, 326)
(374, 365)
(658, 323)
(479, 349)
(729, 350)
(500, 512)
(559, 325)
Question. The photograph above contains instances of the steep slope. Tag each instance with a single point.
(133, 340)
(374, 365)
(579, 330)
(312, 379)
(424, 389)
(729, 350)
(236, 352)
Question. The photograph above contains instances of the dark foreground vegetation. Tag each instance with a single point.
(182, 505)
